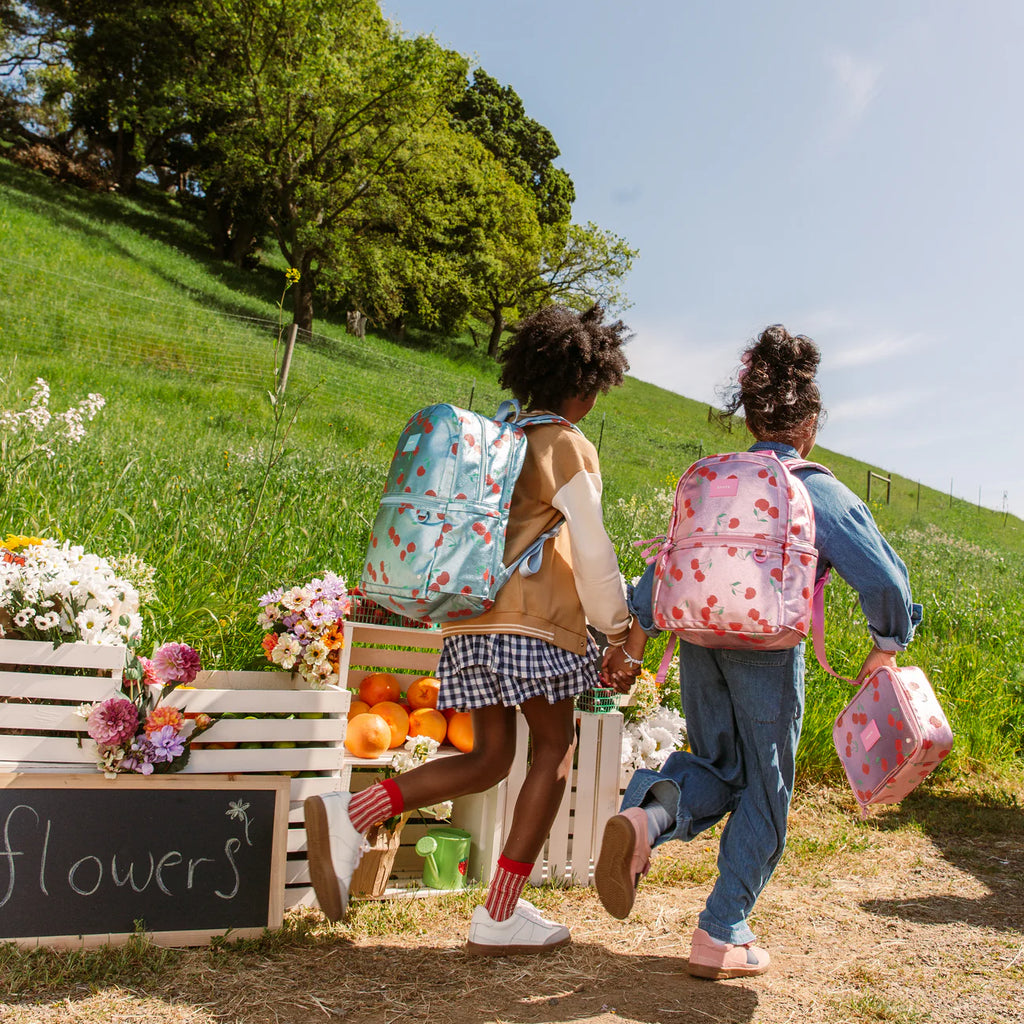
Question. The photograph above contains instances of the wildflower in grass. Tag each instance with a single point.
(292, 275)
(113, 722)
(35, 431)
(176, 663)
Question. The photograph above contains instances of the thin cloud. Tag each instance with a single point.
(879, 349)
(878, 406)
(857, 80)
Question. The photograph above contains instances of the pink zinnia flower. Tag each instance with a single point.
(149, 673)
(113, 722)
(176, 663)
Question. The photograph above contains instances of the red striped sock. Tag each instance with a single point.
(509, 880)
(381, 801)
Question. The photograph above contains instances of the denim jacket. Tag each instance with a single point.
(849, 541)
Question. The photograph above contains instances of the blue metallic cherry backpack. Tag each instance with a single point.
(437, 545)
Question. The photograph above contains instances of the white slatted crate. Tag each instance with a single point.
(591, 798)
(409, 653)
(277, 725)
(41, 686)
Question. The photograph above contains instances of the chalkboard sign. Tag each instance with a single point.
(83, 858)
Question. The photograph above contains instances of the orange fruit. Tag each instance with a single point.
(397, 718)
(368, 735)
(357, 707)
(422, 692)
(448, 712)
(460, 731)
(379, 686)
(428, 722)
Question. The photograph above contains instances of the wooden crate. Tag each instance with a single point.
(592, 797)
(41, 686)
(571, 850)
(408, 653)
(267, 710)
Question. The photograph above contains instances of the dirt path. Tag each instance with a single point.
(915, 916)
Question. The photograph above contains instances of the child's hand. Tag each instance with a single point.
(616, 672)
(876, 659)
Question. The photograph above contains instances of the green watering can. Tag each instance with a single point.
(445, 853)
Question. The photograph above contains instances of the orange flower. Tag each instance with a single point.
(159, 717)
(333, 637)
(269, 642)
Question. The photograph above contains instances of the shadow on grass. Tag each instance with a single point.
(978, 833)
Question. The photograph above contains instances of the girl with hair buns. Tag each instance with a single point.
(744, 708)
(531, 649)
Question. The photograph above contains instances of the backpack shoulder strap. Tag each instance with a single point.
(794, 464)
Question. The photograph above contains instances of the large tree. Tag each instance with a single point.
(313, 106)
(113, 75)
(568, 263)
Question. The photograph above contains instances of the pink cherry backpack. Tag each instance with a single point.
(736, 569)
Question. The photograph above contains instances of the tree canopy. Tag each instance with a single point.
(393, 183)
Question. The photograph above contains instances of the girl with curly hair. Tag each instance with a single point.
(531, 649)
(744, 708)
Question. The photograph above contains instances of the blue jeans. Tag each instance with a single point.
(743, 715)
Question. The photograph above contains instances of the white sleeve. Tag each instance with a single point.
(599, 583)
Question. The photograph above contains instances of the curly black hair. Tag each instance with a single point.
(558, 353)
(776, 386)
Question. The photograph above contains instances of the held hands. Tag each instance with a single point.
(616, 670)
(876, 659)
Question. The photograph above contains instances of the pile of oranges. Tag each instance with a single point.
(382, 717)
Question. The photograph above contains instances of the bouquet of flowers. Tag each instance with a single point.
(305, 626)
(134, 732)
(60, 592)
(652, 730)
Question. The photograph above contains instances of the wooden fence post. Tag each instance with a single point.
(286, 360)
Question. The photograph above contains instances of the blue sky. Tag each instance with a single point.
(852, 170)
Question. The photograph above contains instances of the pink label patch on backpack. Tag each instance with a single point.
(723, 487)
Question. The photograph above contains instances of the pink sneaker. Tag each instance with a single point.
(625, 858)
(712, 959)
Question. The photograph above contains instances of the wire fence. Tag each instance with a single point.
(244, 351)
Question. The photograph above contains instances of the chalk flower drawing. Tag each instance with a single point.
(237, 812)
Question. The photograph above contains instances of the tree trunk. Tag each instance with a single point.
(303, 303)
(497, 329)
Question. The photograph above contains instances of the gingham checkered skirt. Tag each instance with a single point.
(481, 670)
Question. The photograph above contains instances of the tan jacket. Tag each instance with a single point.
(579, 579)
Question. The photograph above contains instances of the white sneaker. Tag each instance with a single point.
(526, 931)
(334, 848)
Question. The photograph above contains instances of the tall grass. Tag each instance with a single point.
(182, 470)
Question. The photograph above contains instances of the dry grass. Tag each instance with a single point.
(916, 915)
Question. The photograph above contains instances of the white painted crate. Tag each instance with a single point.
(571, 850)
(40, 688)
(592, 797)
(316, 761)
(408, 653)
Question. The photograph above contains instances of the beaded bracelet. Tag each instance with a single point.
(631, 660)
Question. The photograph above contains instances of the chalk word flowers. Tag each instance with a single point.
(134, 732)
(306, 628)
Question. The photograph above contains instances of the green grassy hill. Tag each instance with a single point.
(193, 470)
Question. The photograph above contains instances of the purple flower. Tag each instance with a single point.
(167, 744)
(176, 663)
(113, 722)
